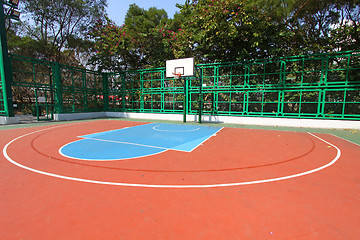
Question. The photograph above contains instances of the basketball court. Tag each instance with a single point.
(116, 178)
(112, 179)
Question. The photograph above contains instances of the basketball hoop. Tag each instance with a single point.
(177, 75)
(185, 66)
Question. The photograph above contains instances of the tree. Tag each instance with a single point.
(315, 26)
(60, 26)
(147, 28)
(346, 32)
(112, 45)
(227, 30)
(143, 41)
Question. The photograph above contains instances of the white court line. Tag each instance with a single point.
(114, 130)
(161, 130)
(130, 143)
(111, 141)
(338, 154)
(214, 134)
(117, 159)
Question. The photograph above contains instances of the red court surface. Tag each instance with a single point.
(239, 184)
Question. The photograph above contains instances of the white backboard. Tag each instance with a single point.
(185, 66)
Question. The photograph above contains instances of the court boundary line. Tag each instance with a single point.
(338, 155)
(214, 134)
(118, 159)
(160, 130)
(109, 160)
(119, 129)
(135, 144)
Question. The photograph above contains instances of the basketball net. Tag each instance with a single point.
(177, 75)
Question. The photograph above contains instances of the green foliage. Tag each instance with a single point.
(60, 26)
(145, 27)
(112, 44)
(78, 31)
(228, 30)
(317, 26)
(142, 41)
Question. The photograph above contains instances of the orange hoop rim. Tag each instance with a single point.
(177, 75)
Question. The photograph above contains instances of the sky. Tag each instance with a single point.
(117, 8)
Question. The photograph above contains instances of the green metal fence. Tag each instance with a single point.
(316, 86)
(2, 99)
(44, 88)
(325, 86)
(32, 86)
(145, 91)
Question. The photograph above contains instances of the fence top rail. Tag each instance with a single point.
(288, 58)
(18, 57)
(249, 62)
(204, 65)
(49, 63)
(63, 66)
(159, 69)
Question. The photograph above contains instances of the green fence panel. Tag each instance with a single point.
(33, 87)
(82, 90)
(322, 86)
(2, 99)
(65, 89)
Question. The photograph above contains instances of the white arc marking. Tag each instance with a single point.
(161, 130)
(164, 185)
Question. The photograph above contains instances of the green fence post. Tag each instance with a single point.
(324, 70)
(58, 88)
(123, 93)
(321, 103)
(216, 76)
(162, 79)
(141, 99)
(84, 90)
(347, 70)
(185, 99)
(105, 79)
(246, 102)
(5, 67)
(344, 104)
(282, 73)
(280, 109)
(247, 76)
(200, 95)
(37, 106)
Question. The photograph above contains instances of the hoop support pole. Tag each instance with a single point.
(185, 100)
